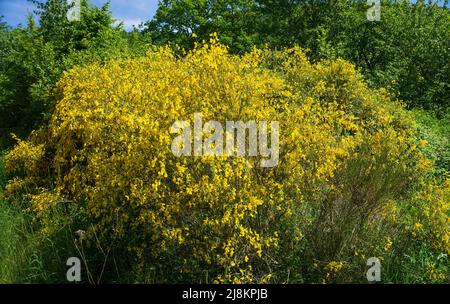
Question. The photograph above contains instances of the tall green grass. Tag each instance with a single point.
(14, 248)
(18, 259)
(26, 256)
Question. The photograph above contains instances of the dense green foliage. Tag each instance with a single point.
(437, 134)
(33, 58)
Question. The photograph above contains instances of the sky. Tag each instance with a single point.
(131, 12)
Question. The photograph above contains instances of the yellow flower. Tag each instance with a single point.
(388, 244)
(107, 148)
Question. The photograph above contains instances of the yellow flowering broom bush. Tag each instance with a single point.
(344, 152)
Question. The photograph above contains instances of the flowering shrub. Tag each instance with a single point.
(344, 153)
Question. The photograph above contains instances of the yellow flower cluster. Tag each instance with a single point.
(332, 270)
(107, 146)
(431, 221)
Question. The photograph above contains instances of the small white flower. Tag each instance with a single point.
(81, 234)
